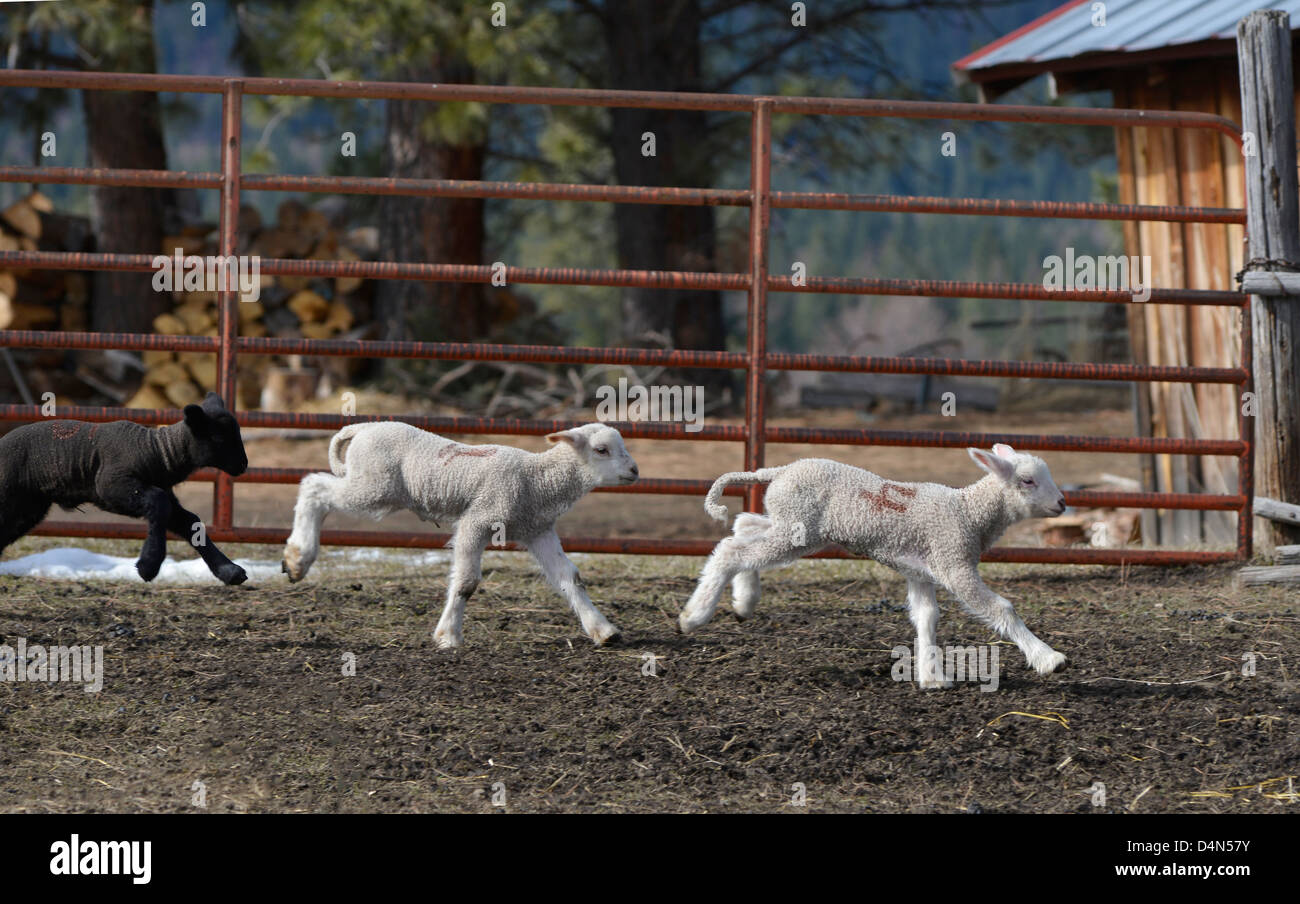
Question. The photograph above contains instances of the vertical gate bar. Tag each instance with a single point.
(760, 188)
(232, 103)
(1246, 429)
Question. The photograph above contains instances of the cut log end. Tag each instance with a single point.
(1269, 574)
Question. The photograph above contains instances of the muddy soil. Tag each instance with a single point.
(242, 689)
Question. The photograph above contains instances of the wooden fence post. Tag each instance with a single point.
(1273, 236)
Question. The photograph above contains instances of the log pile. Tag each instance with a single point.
(1284, 570)
(284, 306)
(42, 299)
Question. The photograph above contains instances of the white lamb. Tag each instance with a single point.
(931, 534)
(493, 493)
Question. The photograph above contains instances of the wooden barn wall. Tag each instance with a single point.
(1192, 168)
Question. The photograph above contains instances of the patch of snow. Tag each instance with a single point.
(371, 554)
(74, 564)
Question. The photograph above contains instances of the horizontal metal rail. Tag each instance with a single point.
(994, 207)
(635, 545)
(625, 194)
(587, 97)
(659, 486)
(454, 425)
(757, 281)
(90, 175)
(564, 354)
(566, 276)
(955, 439)
(655, 486)
(951, 439)
(942, 288)
(646, 279)
(1043, 370)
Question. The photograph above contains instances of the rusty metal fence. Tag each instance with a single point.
(756, 361)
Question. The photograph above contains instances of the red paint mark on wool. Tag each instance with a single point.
(65, 431)
(450, 452)
(887, 497)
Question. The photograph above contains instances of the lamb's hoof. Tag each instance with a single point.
(742, 616)
(148, 570)
(446, 641)
(1053, 662)
(291, 564)
(606, 635)
(683, 626)
(934, 684)
(230, 573)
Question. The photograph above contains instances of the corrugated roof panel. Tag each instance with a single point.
(1207, 20)
(1124, 25)
(1131, 26)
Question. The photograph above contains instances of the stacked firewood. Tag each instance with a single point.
(282, 306)
(41, 299)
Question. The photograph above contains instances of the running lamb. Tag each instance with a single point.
(495, 494)
(931, 534)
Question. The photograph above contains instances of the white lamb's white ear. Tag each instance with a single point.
(573, 437)
(995, 465)
(1002, 450)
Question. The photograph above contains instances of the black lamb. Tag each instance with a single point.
(123, 468)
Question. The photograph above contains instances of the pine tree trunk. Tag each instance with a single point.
(431, 230)
(652, 49)
(124, 130)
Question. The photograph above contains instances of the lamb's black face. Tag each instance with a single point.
(217, 433)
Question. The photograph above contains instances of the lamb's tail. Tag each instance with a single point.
(339, 449)
(713, 502)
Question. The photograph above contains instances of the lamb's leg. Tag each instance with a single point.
(468, 542)
(923, 608)
(997, 612)
(134, 498)
(318, 495)
(183, 524)
(732, 556)
(158, 512)
(745, 587)
(745, 593)
(564, 577)
(18, 517)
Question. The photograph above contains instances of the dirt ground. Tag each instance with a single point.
(242, 689)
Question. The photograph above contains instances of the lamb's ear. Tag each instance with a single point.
(214, 402)
(572, 437)
(1002, 450)
(196, 419)
(995, 465)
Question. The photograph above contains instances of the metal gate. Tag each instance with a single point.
(756, 361)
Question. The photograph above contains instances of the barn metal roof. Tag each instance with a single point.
(1132, 27)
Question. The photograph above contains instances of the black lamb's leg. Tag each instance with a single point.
(187, 525)
(158, 512)
(18, 518)
(131, 497)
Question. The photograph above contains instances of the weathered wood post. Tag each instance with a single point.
(1273, 236)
